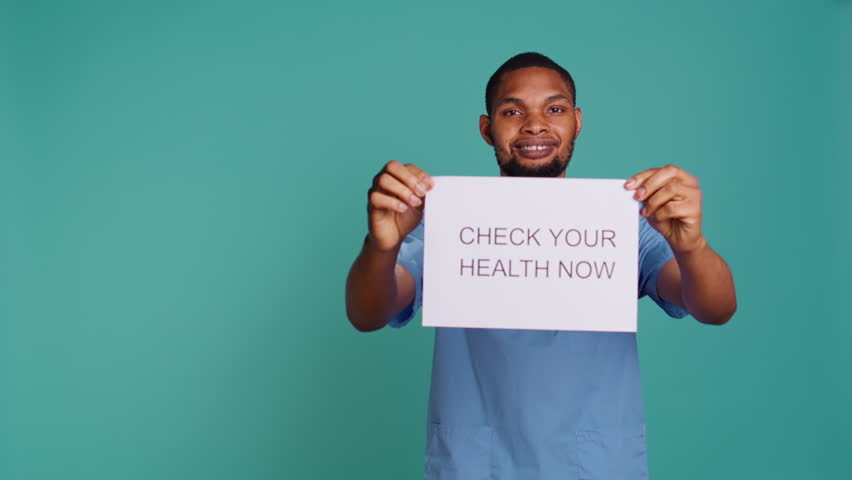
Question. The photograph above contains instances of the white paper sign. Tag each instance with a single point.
(530, 253)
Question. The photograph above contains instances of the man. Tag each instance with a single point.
(519, 404)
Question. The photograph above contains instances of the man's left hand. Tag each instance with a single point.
(672, 205)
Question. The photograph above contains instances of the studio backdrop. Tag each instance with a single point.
(184, 188)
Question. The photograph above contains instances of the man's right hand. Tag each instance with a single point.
(395, 204)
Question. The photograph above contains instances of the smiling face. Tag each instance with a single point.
(533, 124)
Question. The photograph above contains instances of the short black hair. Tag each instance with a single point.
(524, 60)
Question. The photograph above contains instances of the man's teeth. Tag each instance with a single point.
(535, 147)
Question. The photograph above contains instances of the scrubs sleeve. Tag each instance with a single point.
(411, 257)
(654, 252)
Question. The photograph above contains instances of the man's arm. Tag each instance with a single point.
(701, 283)
(377, 288)
(697, 279)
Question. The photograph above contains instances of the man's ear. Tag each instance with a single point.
(578, 115)
(485, 129)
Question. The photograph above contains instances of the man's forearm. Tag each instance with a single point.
(371, 289)
(707, 286)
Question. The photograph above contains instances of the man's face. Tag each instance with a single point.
(533, 123)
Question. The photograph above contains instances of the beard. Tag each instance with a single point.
(512, 167)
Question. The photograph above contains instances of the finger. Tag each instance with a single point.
(672, 191)
(669, 173)
(390, 185)
(635, 181)
(653, 178)
(382, 201)
(672, 210)
(421, 175)
(406, 176)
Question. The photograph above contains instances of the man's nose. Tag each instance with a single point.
(535, 125)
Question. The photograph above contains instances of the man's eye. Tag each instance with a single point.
(556, 109)
(512, 111)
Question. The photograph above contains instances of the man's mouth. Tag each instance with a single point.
(534, 149)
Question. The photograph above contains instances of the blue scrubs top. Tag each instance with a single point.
(532, 404)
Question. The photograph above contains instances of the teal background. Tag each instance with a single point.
(184, 189)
